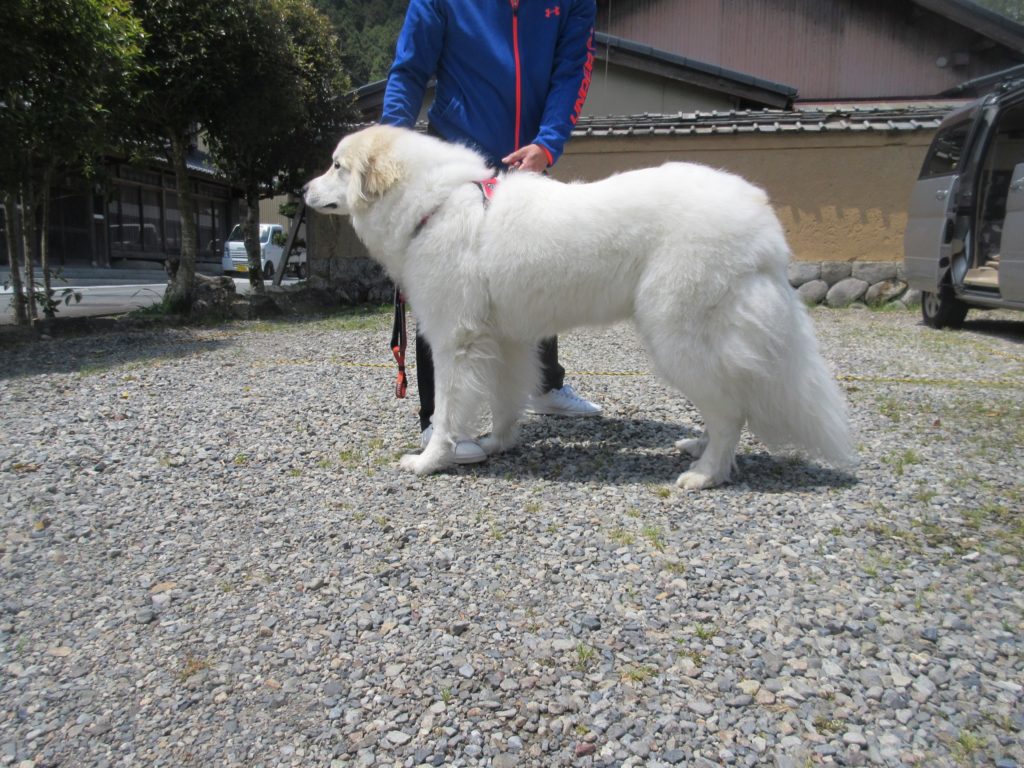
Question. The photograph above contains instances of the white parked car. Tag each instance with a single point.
(235, 260)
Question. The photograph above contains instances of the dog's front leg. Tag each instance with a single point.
(514, 373)
(455, 405)
(438, 454)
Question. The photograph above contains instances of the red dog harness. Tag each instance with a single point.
(399, 330)
(487, 187)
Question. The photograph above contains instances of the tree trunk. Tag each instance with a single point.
(44, 245)
(28, 233)
(13, 236)
(181, 287)
(251, 233)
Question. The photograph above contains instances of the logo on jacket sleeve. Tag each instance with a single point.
(549, 12)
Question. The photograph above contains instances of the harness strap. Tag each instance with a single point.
(487, 187)
(399, 339)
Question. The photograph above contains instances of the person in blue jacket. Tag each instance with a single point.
(511, 80)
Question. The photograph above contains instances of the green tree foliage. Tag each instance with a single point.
(65, 68)
(285, 111)
(190, 62)
(367, 31)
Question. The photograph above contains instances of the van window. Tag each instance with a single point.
(946, 150)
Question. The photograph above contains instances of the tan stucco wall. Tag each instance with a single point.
(840, 196)
(337, 261)
(330, 241)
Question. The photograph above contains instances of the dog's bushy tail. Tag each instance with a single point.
(795, 400)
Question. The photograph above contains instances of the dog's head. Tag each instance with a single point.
(363, 168)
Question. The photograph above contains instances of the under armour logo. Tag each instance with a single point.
(549, 12)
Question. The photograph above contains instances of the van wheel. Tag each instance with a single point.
(942, 309)
(268, 270)
(300, 271)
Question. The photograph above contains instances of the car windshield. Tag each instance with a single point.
(236, 235)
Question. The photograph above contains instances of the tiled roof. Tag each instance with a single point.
(806, 118)
(199, 162)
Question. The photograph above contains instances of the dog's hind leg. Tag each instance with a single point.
(720, 438)
(692, 366)
(715, 450)
(694, 446)
(514, 375)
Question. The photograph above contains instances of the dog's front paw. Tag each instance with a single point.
(696, 481)
(417, 463)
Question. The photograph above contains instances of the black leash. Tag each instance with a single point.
(399, 339)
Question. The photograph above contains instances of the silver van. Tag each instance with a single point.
(964, 242)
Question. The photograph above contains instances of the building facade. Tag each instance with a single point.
(132, 217)
(828, 105)
(829, 50)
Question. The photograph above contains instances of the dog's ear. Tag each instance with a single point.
(375, 169)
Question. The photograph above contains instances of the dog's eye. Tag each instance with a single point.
(337, 165)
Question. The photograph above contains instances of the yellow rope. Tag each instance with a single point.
(992, 383)
(410, 366)
(911, 380)
(347, 364)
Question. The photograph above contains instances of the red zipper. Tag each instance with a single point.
(519, 76)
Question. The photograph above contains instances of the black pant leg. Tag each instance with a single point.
(425, 380)
(552, 373)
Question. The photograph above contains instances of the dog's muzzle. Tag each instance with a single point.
(305, 192)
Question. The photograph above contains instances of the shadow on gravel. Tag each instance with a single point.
(99, 352)
(782, 473)
(620, 451)
(1007, 330)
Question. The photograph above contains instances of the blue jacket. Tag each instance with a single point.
(509, 72)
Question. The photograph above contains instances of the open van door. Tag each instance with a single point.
(928, 243)
(928, 234)
(1011, 260)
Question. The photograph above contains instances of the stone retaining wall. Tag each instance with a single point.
(839, 284)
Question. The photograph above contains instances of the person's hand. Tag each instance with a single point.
(529, 158)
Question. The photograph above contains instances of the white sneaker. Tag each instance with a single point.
(466, 451)
(562, 402)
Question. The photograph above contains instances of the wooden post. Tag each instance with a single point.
(300, 213)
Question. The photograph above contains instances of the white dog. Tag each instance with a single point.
(695, 256)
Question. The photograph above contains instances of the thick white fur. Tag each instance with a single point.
(695, 256)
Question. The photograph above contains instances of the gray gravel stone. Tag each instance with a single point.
(845, 292)
(873, 271)
(813, 292)
(801, 272)
(911, 298)
(884, 291)
(834, 271)
(209, 557)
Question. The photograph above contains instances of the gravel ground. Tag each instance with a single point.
(209, 557)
